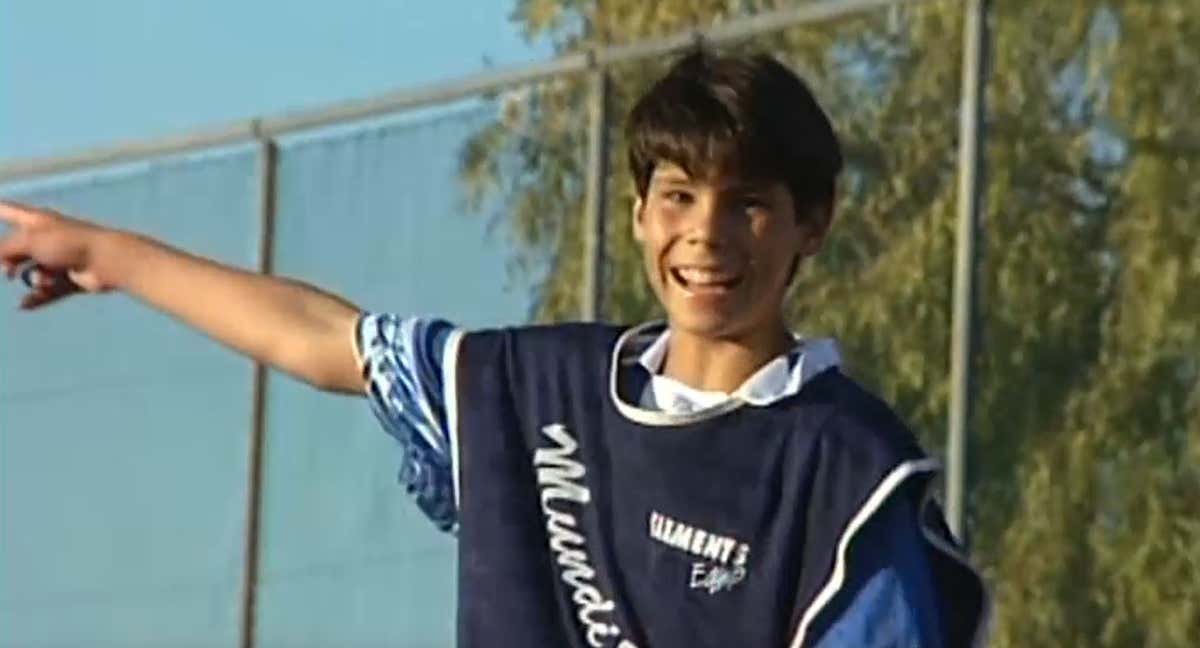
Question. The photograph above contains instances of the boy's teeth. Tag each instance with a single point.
(698, 276)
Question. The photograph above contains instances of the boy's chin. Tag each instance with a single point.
(704, 325)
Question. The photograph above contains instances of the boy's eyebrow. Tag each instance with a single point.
(671, 177)
(750, 187)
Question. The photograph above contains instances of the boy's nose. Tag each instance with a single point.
(711, 224)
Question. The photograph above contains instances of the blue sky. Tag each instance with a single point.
(76, 74)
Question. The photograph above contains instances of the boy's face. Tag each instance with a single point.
(719, 253)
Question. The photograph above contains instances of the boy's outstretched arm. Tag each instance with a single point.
(280, 322)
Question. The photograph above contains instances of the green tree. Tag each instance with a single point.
(1086, 476)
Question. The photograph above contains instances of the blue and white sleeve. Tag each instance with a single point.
(889, 600)
(408, 364)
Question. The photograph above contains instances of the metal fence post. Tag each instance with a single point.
(966, 265)
(268, 159)
(592, 308)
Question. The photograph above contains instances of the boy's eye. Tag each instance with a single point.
(753, 203)
(677, 197)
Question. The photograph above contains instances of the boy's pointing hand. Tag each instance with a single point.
(52, 253)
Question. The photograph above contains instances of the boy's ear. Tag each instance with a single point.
(815, 226)
(638, 233)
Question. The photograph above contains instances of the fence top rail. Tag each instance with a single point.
(436, 93)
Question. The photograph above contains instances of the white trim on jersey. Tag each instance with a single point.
(656, 417)
(837, 578)
(450, 392)
(772, 382)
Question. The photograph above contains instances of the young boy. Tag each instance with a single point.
(711, 481)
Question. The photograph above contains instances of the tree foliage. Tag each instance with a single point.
(1086, 433)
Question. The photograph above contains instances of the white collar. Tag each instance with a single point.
(674, 402)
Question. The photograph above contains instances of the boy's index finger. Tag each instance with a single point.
(15, 213)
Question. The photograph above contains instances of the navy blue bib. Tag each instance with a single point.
(583, 527)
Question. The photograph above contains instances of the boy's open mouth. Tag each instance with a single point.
(699, 280)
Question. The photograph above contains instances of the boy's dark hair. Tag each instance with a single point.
(749, 116)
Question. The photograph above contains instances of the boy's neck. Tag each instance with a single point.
(723, 364)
